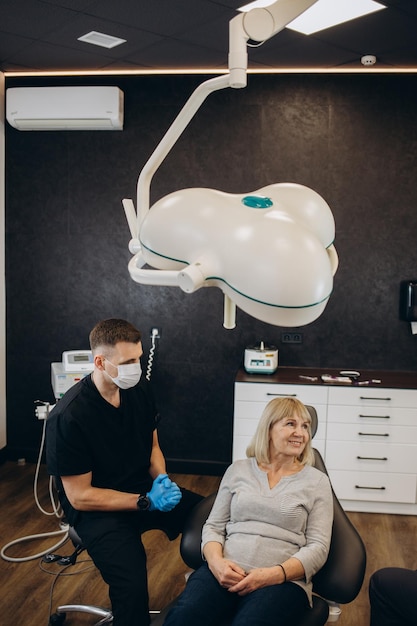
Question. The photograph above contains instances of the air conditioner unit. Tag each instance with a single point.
(65, 108)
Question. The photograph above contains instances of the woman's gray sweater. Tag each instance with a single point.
(261, 527)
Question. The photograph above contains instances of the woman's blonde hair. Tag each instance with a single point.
(275, 411)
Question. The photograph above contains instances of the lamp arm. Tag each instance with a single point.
(190, 279)
(229, 313)
(167, 278)
(170, 138)
(258, 25)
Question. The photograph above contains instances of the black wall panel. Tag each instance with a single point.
(352, 138)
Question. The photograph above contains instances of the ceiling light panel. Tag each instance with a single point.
(325, 13)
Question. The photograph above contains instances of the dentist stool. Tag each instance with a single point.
(105, 615)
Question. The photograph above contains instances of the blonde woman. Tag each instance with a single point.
(268, 532)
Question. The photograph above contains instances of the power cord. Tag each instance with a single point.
(23, 559)
(63, 572)
(154, 337)
(56, 510)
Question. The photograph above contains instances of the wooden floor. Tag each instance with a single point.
(27, 587)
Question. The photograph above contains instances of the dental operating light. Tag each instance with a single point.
(270, 251)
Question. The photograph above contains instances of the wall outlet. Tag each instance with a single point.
(42, 412)
(292, 337)
(155, 332)
(43, 409)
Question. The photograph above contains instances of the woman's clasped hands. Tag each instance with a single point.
(236, 580)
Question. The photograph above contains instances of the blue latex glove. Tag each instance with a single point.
(164, 495)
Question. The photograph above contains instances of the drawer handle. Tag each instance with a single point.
(377, 488)
(372, 458)
(370, 398)
(283, 395)
(382, 417)
(374, 434)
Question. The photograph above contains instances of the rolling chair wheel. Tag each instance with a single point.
(56, 619)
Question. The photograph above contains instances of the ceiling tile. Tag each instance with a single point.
(164, 16)
(30, 18)
(69, 33)
(173, 53)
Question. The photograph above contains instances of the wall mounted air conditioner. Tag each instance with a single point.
(65, 108)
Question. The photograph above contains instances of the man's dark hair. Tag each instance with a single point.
(112, 331)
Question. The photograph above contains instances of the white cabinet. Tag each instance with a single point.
(371, 451)
(366, 434)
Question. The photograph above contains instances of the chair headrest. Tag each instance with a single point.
(314, 420)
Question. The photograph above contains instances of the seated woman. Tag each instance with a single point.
(268, 532)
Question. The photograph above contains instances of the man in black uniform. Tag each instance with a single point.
(102, 447)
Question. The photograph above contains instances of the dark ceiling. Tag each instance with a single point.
(41, 35)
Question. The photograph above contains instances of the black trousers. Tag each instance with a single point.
(205, 603)
(392, 594)
(113, 540)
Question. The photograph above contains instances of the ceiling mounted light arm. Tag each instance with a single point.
(255, 25)
(259, 24)
(160, 153)
(171, 137)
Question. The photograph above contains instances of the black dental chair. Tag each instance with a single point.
(338, 582)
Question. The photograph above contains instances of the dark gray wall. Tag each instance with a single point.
(352, 138)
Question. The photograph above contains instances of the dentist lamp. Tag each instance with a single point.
(270, 251)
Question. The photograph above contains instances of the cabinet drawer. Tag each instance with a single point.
(264, 392)
(374, 486)
(247, 425)
(376, 433)
(372, 415)
(364, 396)
(241, 442)
(253, 410)
(371, 457)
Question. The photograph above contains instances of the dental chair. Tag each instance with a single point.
(338, 582)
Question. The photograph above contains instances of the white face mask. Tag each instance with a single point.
(128, 375)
